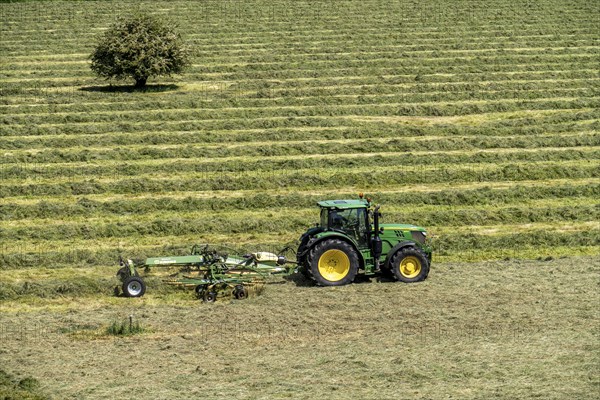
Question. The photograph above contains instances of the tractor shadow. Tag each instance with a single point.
(374, 278)
(301, 281)
(152, 88)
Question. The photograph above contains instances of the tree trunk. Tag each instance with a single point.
(140, 82)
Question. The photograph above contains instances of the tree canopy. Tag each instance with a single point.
(139, 47)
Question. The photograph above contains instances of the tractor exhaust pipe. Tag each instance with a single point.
(376, 245)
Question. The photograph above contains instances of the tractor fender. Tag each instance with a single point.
(305, 239)
(345, 238)
(398, 246)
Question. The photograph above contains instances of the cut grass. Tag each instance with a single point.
(86, 210)
(449, 244)
(273, 345)
(478, 122)
(12, 388)
(442, 193)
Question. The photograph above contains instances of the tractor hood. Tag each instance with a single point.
(401, 227)
(393, 232)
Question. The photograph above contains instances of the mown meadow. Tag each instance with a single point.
(478, 120)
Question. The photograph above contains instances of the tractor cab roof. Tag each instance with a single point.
(344, 204)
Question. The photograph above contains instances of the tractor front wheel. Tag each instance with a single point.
(409, 265)
(333, 262)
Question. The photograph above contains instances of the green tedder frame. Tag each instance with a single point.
(210, 272)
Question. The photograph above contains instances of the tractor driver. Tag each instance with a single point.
(338, 221)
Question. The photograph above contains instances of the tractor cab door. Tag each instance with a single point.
(353, 222)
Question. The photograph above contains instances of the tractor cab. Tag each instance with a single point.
(350, 217)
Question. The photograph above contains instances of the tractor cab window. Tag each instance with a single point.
(353, 221)
(324, 218)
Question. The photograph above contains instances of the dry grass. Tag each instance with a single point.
(447, 83)
(473, 120)
(471, 331)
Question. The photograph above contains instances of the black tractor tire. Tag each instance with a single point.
(134, 286)
(338, 260)
(409, 264)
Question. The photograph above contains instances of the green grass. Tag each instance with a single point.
(495, 329)
(478, 121)
(12, 388)
(125, 328)
(404, 96)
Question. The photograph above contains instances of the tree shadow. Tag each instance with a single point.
(152, 88)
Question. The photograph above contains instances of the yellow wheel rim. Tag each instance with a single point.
(334, 265)
(410, 267)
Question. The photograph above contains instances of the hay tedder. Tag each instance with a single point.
(348, 240)
(211, 271)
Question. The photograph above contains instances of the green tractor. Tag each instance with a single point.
(350, 239)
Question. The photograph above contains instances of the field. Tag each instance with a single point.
(478, 120)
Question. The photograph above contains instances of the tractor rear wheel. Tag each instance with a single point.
(134, 286)
(409, 265)
(333, 262)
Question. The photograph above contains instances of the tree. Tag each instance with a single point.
(139, 47)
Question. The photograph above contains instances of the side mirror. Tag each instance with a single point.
(281, 260)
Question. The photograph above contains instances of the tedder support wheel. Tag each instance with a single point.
(409, 265)
(200, 290)
(333, 262)
(210, 297)
(134, 286)
(240, 292)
